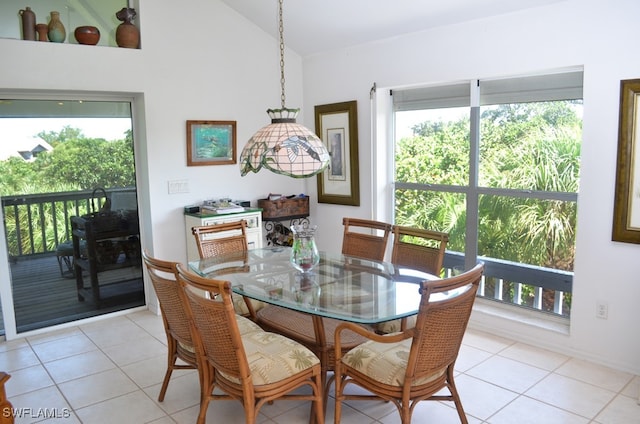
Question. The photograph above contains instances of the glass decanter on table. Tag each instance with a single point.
(304, 251)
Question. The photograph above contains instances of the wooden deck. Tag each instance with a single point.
(43, 297)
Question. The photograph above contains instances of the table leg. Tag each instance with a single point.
(323, 350)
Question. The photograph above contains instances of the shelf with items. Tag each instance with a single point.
(97, 14)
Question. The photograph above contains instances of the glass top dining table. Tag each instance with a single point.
(341, 287)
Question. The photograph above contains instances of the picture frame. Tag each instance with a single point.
(337, 127)
(626, 206)
(211, 143)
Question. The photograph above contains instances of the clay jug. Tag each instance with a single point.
(127, 34)
(57, 33)
(28, 24)
(42, 30)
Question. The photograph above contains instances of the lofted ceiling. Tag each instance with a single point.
(313, 26)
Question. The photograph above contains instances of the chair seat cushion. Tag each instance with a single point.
(273, 357)
(241, 307)
(245, 325)
(394, 326)
(385, 362)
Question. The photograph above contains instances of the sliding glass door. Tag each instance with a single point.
(69, 209)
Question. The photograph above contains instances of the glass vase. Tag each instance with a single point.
(304, 251)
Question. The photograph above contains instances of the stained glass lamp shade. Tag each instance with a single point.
(284, 147)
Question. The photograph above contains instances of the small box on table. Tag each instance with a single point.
(284, 208)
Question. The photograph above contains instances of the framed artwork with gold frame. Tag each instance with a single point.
(626, 206)
(337, 127)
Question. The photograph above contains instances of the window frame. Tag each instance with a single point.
(544, 278)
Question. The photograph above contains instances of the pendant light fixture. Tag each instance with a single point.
(284, 146)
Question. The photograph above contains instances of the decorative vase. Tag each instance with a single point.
(127, 34)
(89, 35)
(42, 30)
(304, 251)
(28, 24)
(57, 33)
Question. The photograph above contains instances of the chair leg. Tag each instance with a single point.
(206, 388)
(165, 383)
(456, 396)
(337, 415)
(320, 402)
(171, 361)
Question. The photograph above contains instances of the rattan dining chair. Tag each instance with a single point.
(417, 249)
(163, 276)
(414, 365)
(365, 238)
(226, 238)
(254, 368)
(219, 239)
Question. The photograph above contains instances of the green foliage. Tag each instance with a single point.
(76, 163)
(531, 146)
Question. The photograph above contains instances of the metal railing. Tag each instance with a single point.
(35, 224)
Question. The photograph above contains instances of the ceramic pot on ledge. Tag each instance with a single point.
(57, 32)
(89, 35)
(127, 34)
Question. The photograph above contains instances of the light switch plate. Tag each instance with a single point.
(178, 186)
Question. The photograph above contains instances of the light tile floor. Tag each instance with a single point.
(110, 372)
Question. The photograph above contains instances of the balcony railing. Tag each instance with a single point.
(35, 224)
(542, 289)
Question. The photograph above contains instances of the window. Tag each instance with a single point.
(495, 163)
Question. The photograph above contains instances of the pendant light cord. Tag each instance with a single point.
(281, 30)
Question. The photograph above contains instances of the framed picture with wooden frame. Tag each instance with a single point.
(211, 143)
(337, 127)
(626, 207)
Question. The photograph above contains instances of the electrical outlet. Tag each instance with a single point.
(178, 186)
(602, 310)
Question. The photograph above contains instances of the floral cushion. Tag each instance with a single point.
(273, 357)
(245, 325)
(385, 362)
(394, 326)
(241, 307)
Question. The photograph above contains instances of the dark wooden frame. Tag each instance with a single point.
(196, 157)
(342, 118)
(626, 207)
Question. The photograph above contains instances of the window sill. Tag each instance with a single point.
(516, 323)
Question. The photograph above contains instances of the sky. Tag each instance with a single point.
(407, 119)
(18, 133)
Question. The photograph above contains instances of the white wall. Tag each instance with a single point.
(201, 61)
(598, 35)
